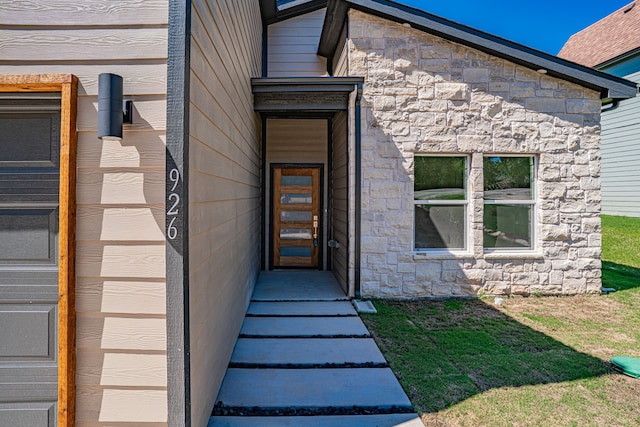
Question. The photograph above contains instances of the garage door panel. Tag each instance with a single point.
(29, 187)
(28, 332)
(33, 287)
(28, 236)
(30, 139)
(28, 414)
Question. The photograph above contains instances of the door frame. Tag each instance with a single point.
(67, 85)
(320, 166)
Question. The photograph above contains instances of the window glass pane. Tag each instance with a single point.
(507, 226)
(298, 216)
(295, 198)
(439, 227)
(440, 178)
(295, 251)
(289, 180)
(292, 234)
(508, 178)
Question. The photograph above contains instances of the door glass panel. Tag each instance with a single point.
(295, 234)
(289, 180)
(295, 216)
(296, 251)
(293, 198)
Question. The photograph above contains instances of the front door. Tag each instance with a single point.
(296, 217)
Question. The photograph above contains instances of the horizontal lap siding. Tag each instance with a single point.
(621, 157)
(224, 187)
(293, 45)
(120, 286)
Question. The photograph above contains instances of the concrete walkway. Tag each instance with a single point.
(304, 358)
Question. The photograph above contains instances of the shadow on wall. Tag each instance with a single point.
(447, 351)
(120, 270)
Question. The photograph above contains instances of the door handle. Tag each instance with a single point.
(315, 230)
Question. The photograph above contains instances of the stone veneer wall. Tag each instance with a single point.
(423, 94)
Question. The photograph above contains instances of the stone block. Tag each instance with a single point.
(574, 286)
(384, 103)
(475, 75)
(452, 91)
(583, 106)
(546, 105)
(496, 287)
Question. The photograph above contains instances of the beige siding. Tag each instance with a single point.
(224, 187)
(293, 45)
(297, 141)
(120, 291)
(340, 211)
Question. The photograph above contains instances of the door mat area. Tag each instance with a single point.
(627, 365)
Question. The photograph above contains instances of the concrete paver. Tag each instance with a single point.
(312, 388)
(303, 327)
(298, 286)
(306, 351)
(384, 420)
(301, 308)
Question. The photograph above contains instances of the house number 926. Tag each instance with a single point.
(173, 203)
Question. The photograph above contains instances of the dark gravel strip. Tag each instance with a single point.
(238, 411)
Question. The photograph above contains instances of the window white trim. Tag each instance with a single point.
(496, 253)
(444, 253)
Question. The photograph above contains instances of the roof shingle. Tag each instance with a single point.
(612, 36)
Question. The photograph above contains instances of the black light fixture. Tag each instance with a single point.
(112, 110)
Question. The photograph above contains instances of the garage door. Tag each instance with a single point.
(29, 209)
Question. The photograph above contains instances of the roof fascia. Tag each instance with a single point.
(617, 59)
(268, 10)
(271, 14)
(610, 87)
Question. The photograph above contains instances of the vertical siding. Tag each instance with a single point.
(224, 187)
(297, 141)
(120, 295)
(293, 45)
(340, 209)
(621, 157)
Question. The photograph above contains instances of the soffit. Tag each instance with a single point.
(314, 94)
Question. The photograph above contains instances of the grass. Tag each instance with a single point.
(530, 362)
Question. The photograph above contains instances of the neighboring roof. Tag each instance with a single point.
(278, 10)
(609, 38)
(610, 87)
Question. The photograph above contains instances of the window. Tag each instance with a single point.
(509, 202)
(440, 202)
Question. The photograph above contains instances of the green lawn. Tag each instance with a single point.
(530, 362)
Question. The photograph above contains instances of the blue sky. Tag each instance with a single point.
(542, 24)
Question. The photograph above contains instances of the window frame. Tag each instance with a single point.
(533, 203)
(464, 203)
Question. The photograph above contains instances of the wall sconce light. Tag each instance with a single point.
(112, 110)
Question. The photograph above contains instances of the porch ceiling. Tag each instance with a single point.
(303, 94)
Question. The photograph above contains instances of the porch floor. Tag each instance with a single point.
(304, 358)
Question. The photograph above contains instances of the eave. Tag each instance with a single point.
(303, 94)
(609, 87)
